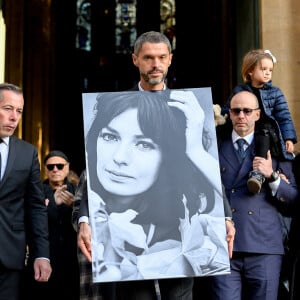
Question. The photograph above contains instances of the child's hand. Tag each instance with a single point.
(283, 177)
(289, 145)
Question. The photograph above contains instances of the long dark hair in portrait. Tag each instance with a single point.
(162, 203)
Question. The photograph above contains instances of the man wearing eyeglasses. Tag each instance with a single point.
(258, 246)
(59, 198)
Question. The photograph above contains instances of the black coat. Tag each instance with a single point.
(23, 215)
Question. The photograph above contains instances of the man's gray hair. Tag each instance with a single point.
(151, 37)
(9, 87)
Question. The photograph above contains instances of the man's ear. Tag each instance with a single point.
(171, 56)
(134, 59)
(257, 114)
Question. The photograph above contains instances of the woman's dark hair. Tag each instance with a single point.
(166, 127)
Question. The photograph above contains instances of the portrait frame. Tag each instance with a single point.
(171, 257)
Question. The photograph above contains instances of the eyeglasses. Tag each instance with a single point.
(246, 111)
(50, 167)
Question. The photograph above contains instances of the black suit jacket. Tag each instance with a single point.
(23, 214)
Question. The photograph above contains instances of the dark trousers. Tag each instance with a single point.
(10, 284)
(267, 138)
(262, 143)
(253, 277)
(169, 289)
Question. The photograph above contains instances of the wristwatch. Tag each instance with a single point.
(229, 219)
(274, 177)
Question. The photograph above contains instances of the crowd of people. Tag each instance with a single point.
(115, 232)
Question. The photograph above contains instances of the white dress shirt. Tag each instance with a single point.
(4, 148)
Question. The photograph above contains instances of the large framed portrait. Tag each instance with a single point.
(154, 189)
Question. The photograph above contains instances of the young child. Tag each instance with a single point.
(275, 129)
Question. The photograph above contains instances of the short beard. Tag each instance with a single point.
(153, 81)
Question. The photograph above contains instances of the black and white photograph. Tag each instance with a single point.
(155, 195)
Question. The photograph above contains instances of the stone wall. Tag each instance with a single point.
(280, 32)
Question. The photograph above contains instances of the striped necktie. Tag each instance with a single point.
(241, 149)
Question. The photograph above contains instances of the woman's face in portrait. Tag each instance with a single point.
(127, 161)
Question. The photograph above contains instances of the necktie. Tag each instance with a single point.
(241, 150)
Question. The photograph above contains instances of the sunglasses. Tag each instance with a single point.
(50, 167)
(246, 111)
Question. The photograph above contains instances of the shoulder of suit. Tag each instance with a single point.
(17, 141)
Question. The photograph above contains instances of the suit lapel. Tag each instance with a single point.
(229, 154)
(12, 154)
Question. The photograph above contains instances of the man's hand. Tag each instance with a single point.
(62, 196)
(84, 240)
(42, 269)
(230, 233)
(263, 165)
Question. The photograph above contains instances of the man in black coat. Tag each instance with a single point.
(23, 214)
(59, 198)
